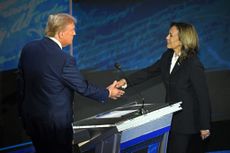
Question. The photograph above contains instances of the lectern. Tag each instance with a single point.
(125, 130)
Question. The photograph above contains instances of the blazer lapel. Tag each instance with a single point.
(169, 62)
(177, 67)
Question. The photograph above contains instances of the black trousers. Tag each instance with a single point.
(184, 143)
(49, 136)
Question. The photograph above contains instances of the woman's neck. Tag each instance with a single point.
(177, 51)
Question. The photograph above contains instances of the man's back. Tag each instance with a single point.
(42, 62)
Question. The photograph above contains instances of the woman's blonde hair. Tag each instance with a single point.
(188, 37)
(57, 22)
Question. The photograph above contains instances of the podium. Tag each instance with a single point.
(125, 130)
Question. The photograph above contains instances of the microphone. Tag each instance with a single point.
(118, 67)
(141, 109)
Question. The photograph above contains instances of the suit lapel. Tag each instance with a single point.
(169, 62)
(177, 67)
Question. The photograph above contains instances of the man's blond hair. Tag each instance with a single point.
(58, 22)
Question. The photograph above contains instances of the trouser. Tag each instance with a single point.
(184, 143)
(50, 136)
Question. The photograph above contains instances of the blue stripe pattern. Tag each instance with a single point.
(144, 137)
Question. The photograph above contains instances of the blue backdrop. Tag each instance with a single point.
(130, 32)
(133, 32)
(23, 21)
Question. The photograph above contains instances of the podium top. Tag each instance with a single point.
(121, 116)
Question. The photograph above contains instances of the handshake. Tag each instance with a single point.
(114, 89)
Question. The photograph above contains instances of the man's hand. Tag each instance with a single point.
(121, 84)
(114, 93)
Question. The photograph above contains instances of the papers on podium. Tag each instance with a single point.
(115, 114)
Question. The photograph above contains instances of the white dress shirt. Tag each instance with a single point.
(173, 61)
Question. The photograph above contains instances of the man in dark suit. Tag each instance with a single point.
(48, 78)
(183, 76)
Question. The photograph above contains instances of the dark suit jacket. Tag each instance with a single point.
(48, 79)
(186, 83)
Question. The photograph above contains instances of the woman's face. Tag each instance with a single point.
(173, 41)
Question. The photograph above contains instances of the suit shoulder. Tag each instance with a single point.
(195, 62)
(167, 53)
(32, 43)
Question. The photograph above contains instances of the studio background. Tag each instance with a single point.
(129, 32)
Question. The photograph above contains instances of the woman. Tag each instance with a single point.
(184, 80)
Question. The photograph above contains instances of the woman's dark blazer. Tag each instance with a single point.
(186, 83)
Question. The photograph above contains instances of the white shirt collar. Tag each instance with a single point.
(173, 61)
(56, 41)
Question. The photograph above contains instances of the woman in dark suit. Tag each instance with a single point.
(184, 79)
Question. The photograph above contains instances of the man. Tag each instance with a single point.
(48, 79)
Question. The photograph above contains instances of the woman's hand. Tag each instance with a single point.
(204, 134)
(121, 84)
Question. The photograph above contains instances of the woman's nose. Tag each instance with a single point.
(167, 37)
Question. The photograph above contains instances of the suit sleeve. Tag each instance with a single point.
(144, 74)
(200, 85)
(149, 72)
(73, 78)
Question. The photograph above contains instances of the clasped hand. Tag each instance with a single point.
(114, 92)
(121, 84)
